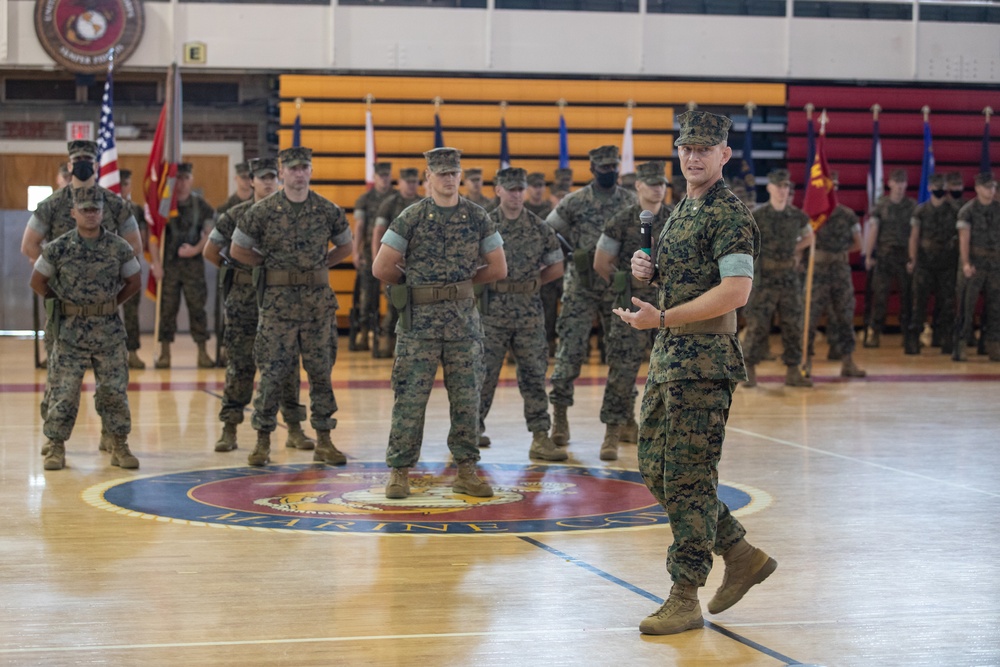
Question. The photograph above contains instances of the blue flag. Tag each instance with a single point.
(297, 131)
(504, 150)
(927, 167)
(438, 134)
(984, 160)
(563, 143)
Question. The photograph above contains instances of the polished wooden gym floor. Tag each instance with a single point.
(880, 499)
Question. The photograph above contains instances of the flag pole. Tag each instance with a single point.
(806, 367)
(162, 241)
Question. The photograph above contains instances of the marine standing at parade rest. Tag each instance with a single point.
(979, 261)
(409, 184)
(287, 238)
(85, 275)
(512, 310)
(833, 287)
(580, 218)
(242, 315)
(887, 240)
(536, 202)
(130, 310)
(365, 213)
(244, 188)
(183, 268)
(703, 268)
(54, 217)
(444, 243)
(933, 263)
(627, 347)
(474, 187)
(784, 231)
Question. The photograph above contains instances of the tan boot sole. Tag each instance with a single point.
(765, 571)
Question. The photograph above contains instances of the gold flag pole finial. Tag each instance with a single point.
(368, 99)
(926, 110)
(561, 103)
(823, 120)
(809, 107)
(298, 104)
(750, 106)
(437, 103)
(692, 105)
(503, 108)
(630, 104)
(988, 111)
(876, 108)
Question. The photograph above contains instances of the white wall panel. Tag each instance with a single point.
(958, 52)
(851, 49)
(712, 46)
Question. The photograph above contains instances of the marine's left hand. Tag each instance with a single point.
(647, 317)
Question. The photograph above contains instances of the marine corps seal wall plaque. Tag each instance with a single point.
(81, 34)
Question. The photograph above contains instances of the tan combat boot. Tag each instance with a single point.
(849, 369)
(629, 431)
(107, 442)
(121, 456)
(55, 458)
(609, 448)
(469, 483)
(484, 440)
(227, 441)
(746, 566)
(751, 376)
(560, 425)
(543, 448)
(399, 483)
(134, 362)
(794, 378)
(680, 612)
(163, 361)
(204, 361)
(297, 438)
(261, 454)
(326, 452)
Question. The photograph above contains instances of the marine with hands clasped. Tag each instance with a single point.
(702, 267)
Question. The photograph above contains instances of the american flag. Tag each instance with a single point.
(107, 160)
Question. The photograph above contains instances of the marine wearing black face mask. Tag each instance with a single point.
(83, 170)
(606, 179)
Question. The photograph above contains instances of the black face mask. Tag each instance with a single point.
(83, 169)
(957, 194)
(606, 179)
(939, 193)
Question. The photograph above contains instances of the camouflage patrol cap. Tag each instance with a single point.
(985, 178)
(954, 179)
(88, 198)
(779, 177)
(700, 128)
(124, 174)
(652, 173)
(898, 175)
(185, 168)
(604, 155)
(383, 168)
(261, 166)
(409, 174)
(536, 178)
(444, 160)
(564, 179)
(295, 155)
(473, 174)
(627, 181)
(511, 178)
(243, 168)
(82, 147)
(936, 182)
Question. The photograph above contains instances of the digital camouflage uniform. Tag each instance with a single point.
(365, 215)
(130, 309)
(580, 218)
(690, 384)
(241, 332)
(936, 269)
(388, 210)
(88, 272)
(776, 285)
(515, 320)
(551, 291)
(891, 255)
(233, 201)
(626, 347)
(185, 274)
(480, 199)
(833, 287)
(439, 250)
(983, 223)
(295, 320)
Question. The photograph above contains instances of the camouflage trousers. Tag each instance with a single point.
(890, 267)
(833, 294)
(277, 349)
(551, 292)
(130, 317)
(986, 281)
(369, 290)
(781, 291)
(682, 427)
(527, 343)
(187, 276)
(576, 320)
(937, 279)
(626, 348)
(413, 372)
(67, 366)
(239, 337)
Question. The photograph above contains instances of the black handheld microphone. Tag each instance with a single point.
(646, 229)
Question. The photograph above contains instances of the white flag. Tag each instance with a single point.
(628, 152)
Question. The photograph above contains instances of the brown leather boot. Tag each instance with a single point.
(55, 458)
(121, 456)
(680, 612)
(850, 370)
(297, 438)
(227, 441)
(469, 483)
(261, 454)
(204, 361)
(560, 425)
(795, 378)
(399, 483)
(163, 361)
(543, 448)
(326, 452)
(609, 448)
(746, 566)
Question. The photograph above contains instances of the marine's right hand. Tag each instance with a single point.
(642, 265)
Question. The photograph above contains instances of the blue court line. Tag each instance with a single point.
(650, 596)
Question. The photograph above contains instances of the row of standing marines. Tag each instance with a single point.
(466, 286)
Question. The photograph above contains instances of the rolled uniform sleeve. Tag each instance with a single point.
(609, 245)
(217, 238)
(37, 225)
(556, 222)
(395, 241)
(130, 268)
(736, 265)
(44, 266)
(487, 245)
(242, 239)
(343, 238)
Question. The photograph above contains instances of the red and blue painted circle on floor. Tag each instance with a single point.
(529, 498)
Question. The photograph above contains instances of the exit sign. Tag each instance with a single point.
(79, 130)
